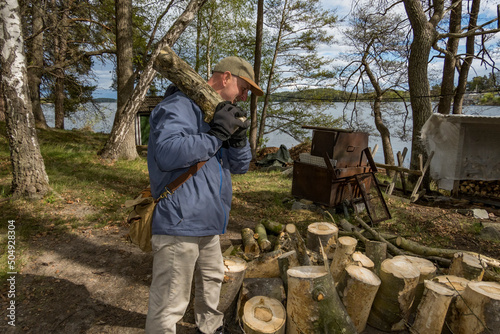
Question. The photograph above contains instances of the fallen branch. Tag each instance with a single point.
(378, 237)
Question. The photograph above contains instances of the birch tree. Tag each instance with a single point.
(29, 178)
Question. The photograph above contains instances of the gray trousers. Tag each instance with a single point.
(176, 261)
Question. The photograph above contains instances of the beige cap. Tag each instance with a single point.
(241, 68)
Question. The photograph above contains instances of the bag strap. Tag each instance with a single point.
(171, 187)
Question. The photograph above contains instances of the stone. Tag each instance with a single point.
(480, 214)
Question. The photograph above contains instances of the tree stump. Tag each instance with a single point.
(427, 271)
(377, 252)
(432, 309)
(327, 233)
(342, 256)
(458, 285)
(358, 291)
(468, 266)
(286, 261)
(264, 315)
(266, 265)
(250, 245)
(362, 260)
(269, 287)
(392, 305)
(478, 309)
(313, 305)
(298, 244)
(233, 278)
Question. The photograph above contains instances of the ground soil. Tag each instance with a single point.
(93, 281)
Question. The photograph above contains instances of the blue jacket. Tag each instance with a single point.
(178, 139)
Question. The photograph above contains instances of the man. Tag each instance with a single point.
(188, 222)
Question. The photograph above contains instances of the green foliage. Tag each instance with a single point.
(490, 99)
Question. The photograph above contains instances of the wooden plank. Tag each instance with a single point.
(401, 169)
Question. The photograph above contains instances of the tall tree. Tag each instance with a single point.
(124, 70)
(379, 52)
(297, 28)
(112, 147)
(29, 178)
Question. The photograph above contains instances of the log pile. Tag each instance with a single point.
(489, 189)
(342, 279)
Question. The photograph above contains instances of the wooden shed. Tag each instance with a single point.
(142, 120)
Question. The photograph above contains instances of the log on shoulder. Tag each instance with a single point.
(313, 305)
(188, 81)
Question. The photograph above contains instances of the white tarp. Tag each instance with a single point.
(465, 148)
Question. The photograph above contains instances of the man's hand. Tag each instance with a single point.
(239, 137)
(226, 120)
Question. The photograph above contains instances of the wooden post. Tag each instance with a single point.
(264, 315)
(358, 292)
(326, 232)
(432, 309)
(468, 266)
(298, 244)
(377, 252)
(313, 305)
(392, 305)
(342, 257)
(233, 278)
(478, 309)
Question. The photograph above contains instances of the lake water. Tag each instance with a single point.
(358, 117)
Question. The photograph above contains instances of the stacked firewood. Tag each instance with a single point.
(323, 283)
(488, 189)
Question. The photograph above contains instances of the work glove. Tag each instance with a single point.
(239, 137)
(225, 121)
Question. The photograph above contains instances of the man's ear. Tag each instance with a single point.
(226, 79)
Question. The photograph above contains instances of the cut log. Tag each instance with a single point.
(342, 257)
(392, 305)
(378, 237)
(427, 271)
(377, 252)
(266, 265)
(269, 287)
(458, 285)
(262, 240)
(250, 245)
(286, 261)
(273, 227)
(326, 232)
(298, 244)
(188, 81)
(358, 292)
(348, 227)
(432, 309)
(478, 309)
(468, 266)
(361, 260)
(313, 305)
(234, 273)
(264, 315)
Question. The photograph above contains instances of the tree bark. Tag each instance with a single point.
(357, 293)
(377, 252)
(29, 178)
(264, 315)
(313, 305)
(342, 257)
(478, 309)
(467, 63)
(256, 68)
(286, 261)
(448, 81)
(392, 305)
(424, 35)
(112, 147)
(124, 71)
(234, 274)
(432, 309)
(35, 71)
(263, 241)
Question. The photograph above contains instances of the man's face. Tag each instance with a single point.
(236, 90)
